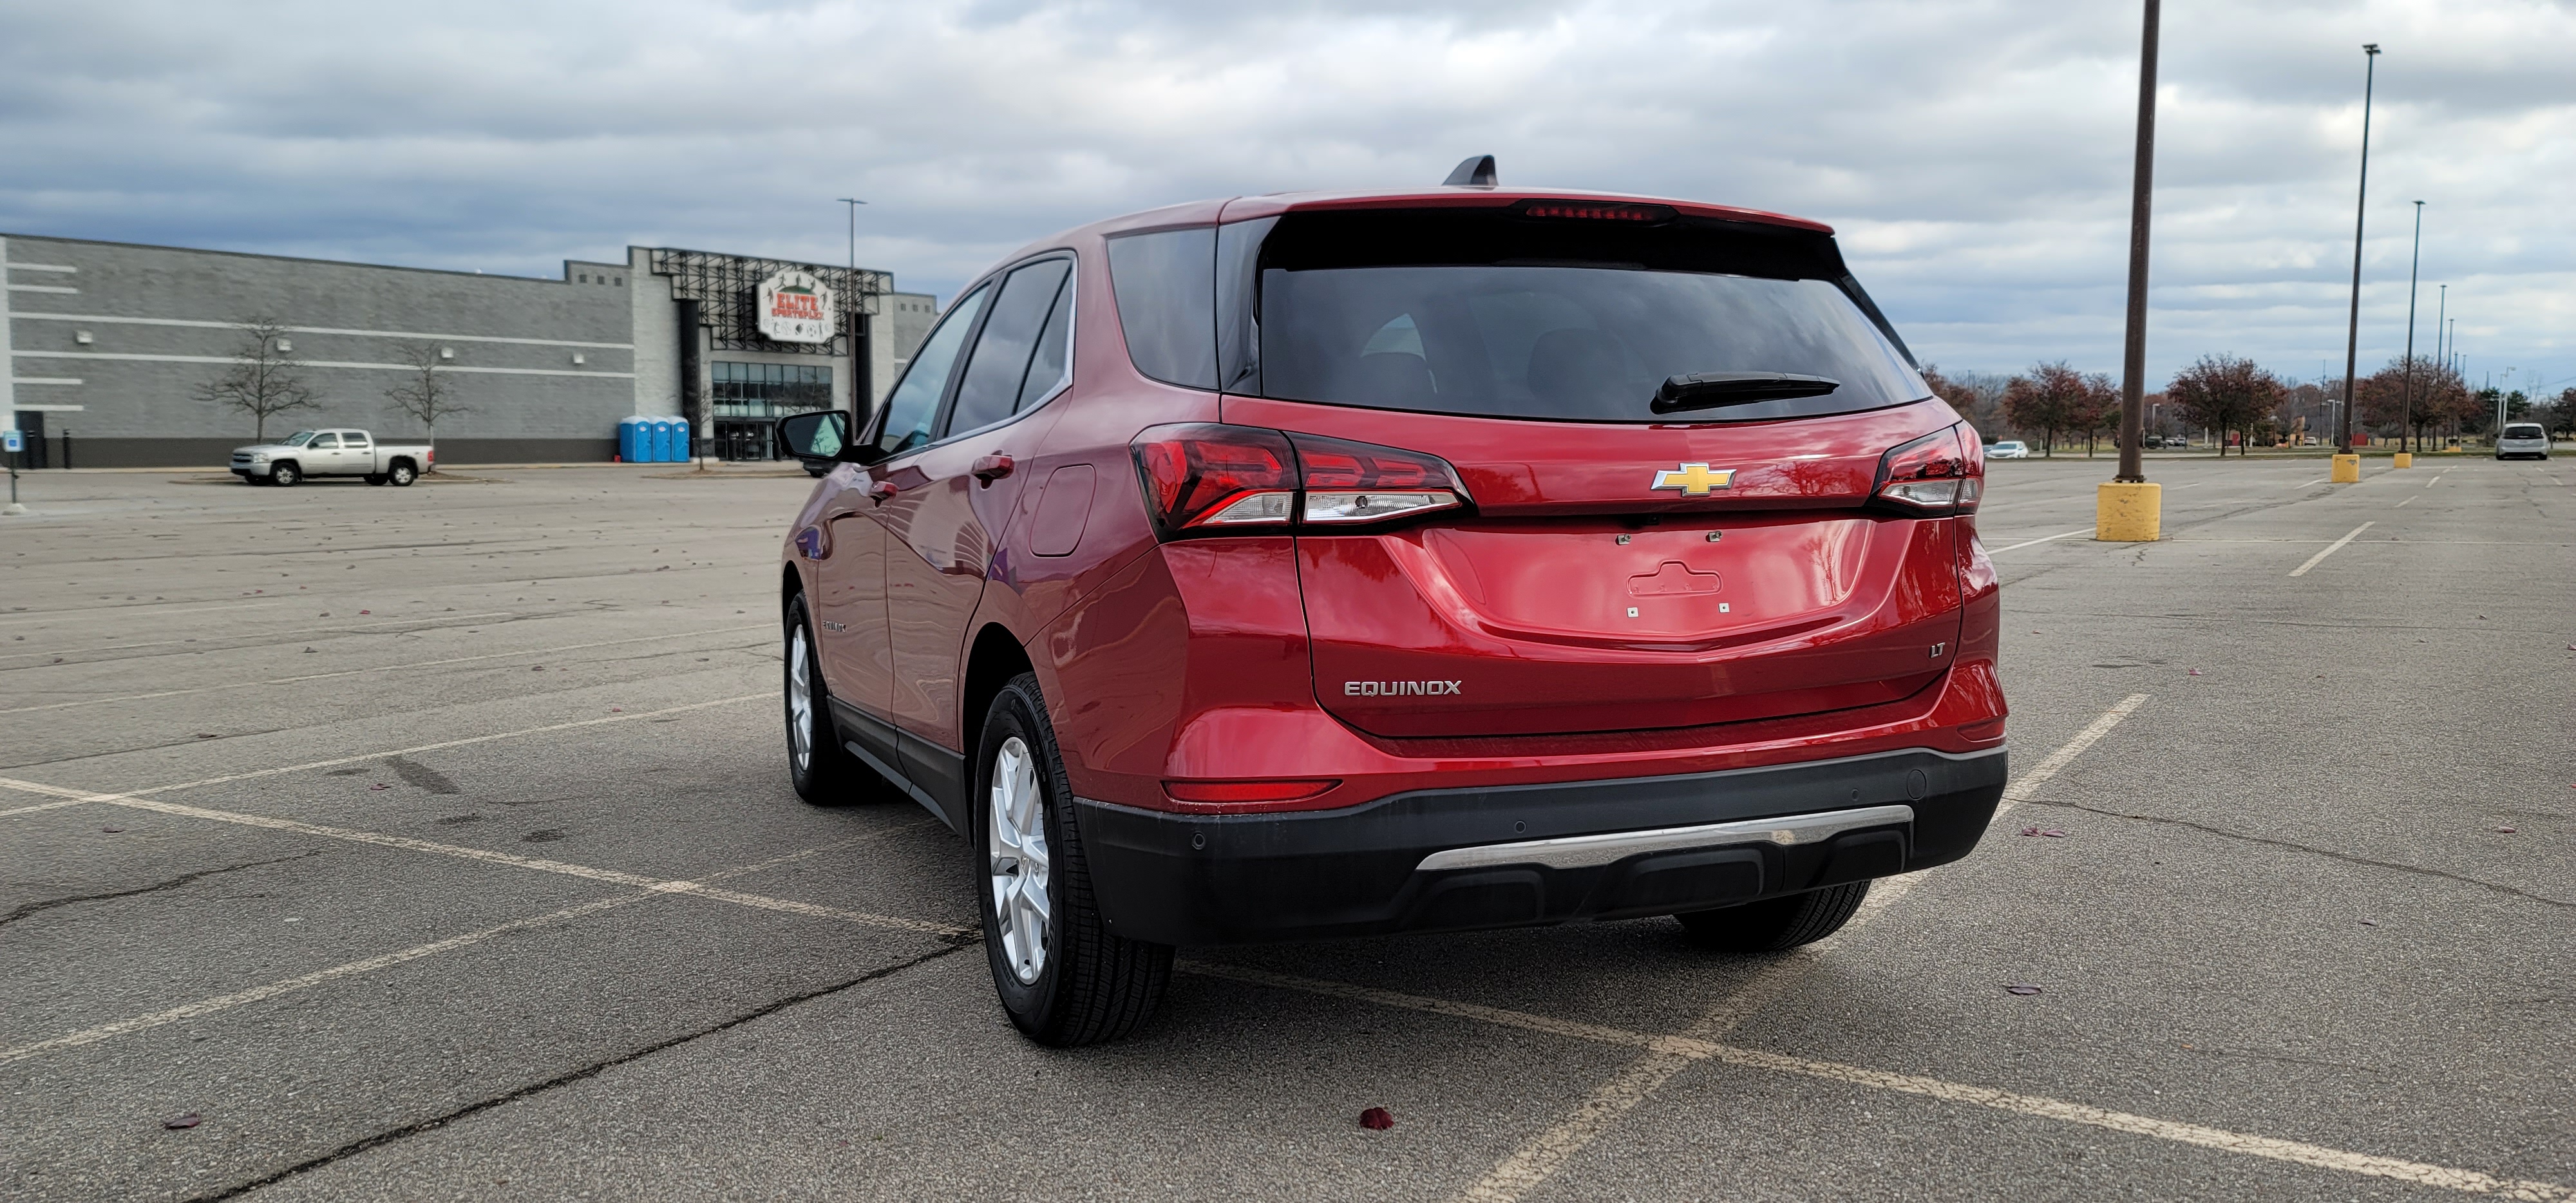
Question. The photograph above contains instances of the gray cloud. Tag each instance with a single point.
(1974, 155)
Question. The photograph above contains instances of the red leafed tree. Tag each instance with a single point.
(2226, 393)
(2053, 399)
(2097, 412)
(2391, 399)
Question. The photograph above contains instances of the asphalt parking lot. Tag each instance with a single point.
(435, 843)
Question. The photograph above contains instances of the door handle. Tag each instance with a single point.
(882, 492)
(990, 468)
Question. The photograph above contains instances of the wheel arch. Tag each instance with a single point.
(992, 660)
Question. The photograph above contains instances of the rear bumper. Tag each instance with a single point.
(1523, 855)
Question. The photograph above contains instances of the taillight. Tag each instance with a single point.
(1943, 472)
(1202, 477)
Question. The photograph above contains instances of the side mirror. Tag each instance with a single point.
(822, 436)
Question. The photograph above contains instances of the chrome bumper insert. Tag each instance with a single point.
(1588, 851)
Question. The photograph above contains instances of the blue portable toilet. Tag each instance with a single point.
(679, 440)
(658, 447)
(627, 429)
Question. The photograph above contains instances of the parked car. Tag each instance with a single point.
(2008, 449)
(342, 452)
(1325, 565)
(2523, 438)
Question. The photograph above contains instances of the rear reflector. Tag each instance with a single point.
(1203, 476)
(1247, 792)
(1942, 473)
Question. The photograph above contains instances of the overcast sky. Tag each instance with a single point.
(1974, 157)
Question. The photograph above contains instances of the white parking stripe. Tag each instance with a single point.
(402, 666)
(1534, 1162)
(94, 611)
(2331, 548)
(239, 998)
(1667, 1054)
(425, 623)
(2015, 547)
(76, 796)
(2402, 505)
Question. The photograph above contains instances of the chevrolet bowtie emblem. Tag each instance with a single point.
(1693, 480)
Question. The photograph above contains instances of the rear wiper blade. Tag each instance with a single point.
(1708, 390)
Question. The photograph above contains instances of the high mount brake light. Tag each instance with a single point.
(1597, 211)
(1203, 477)
(1942, 473)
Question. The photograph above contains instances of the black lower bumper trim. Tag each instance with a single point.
(1217, 879)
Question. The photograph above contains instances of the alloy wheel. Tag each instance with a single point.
(800, 701)
(1015, 848)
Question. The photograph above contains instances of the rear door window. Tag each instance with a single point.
(1001, 363)
(914, 404)
(1492, 315)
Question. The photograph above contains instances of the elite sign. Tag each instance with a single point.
(796, 308)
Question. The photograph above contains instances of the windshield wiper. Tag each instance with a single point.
(1708, 390)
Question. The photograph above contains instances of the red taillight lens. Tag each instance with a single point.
(1205, 476)
(1943, 472)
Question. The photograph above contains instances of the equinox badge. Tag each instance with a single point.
(1379, 689)
(1693, 480)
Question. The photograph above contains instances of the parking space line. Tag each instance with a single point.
(513, 860)
(1996, 552)
(76, 796)
(2331, 548)
(1668, 1054)
(424, 624)
(2402, 505)
(88, 611)
(240, 998)
(1538, 1159)
(404, 666)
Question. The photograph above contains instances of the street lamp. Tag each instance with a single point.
(2347, 466)
(2406, 419)
(2127, 509)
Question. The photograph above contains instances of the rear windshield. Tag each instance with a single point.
(2522, 432)
(1502, 315)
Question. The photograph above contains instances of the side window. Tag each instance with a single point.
(1000, 362)
(1166, 288)
(357, 440)
(330, 442)
(1050, 368)
(914, 404)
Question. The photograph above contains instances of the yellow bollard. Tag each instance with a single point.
(2127, 513)
(2347, 470)
(2405, 459)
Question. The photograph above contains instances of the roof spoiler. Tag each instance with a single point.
(1477, 171)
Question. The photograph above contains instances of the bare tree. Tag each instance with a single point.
(2227, 393)
(263, 379)
(424, 394)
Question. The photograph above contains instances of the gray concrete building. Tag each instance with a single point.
(109, 346)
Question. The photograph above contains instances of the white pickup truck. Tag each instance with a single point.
(342, 452)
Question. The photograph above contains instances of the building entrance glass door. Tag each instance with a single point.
(747, 397)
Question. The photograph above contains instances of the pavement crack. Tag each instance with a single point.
(949, 945)
(2346, 857)
(184, 879)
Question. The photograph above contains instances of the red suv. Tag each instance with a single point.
(1328, 565)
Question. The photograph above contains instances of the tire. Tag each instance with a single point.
(375, 478)
(823, 772)
(1062, 977)
(1776, 924)
(401, 474)
(285, 476)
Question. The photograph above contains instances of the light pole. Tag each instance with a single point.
(2128, 509)
(854, 203)
(2406, 419)
(861, 352)
(2347, 466)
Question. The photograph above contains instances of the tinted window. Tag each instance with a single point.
(1489, 314)
(990, 389)
(2522, 432)
(1166, 287)
(1052, 366)
(914, 404)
